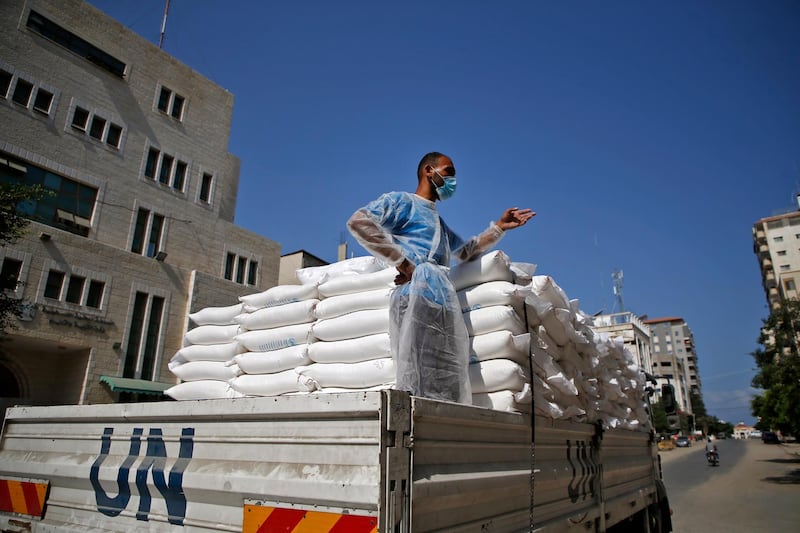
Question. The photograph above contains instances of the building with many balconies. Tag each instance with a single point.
(776, 244)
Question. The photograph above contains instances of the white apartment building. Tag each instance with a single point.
(634, 332)
(139, 230)
(776, 243)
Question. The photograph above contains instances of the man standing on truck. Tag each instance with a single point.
(429, 339)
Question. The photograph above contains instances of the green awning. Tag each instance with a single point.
(141, 386)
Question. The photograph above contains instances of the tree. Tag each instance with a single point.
(12, 227)
(778, 375)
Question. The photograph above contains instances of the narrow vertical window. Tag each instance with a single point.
(154, 242)
(151, 163)
(252, 273)
(177, 106)
(55, 281)
(163, 99)
(139, 230)
(180, 175)
(75, 289)
(205, 188)
(135, 330)
(240, 268)
(151, 337)
(5, 83)
(22, 92)
(230, 261)
(166, 168)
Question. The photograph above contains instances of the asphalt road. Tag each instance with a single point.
(755, 488)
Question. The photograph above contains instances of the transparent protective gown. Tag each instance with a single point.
(430, 343)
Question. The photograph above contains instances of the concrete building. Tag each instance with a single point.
(776, 243)
(292, 262)
(635, 334)
(674, 358)
(139, 231)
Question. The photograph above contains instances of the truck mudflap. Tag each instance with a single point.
(23, 496)
(265, 518)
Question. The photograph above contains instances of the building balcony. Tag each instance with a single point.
(766, 263)
(760, 234)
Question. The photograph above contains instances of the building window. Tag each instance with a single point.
(778, 239)
(52, 288)
(77, 291)
(205, 187)
(144, 332)
(43, 101)
(170, 103)
(97, 127)
(22, 92)
(239, 268)
(785, 268)
(148, 233)
(788, 284)
(781, 252)
(52, 31)
(10, 275)
(71, 205)
(165, 169)
(5, 82)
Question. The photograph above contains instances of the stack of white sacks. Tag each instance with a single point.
(330, 333)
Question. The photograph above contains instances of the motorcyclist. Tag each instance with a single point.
(711, 448)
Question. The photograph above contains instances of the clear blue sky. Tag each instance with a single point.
(648, 136)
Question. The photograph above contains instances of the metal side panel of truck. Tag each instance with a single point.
(362, 461)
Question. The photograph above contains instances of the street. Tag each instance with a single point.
(756, 487)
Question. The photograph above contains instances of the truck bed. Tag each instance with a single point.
(380, 459)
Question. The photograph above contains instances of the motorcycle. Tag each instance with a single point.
(713, 458)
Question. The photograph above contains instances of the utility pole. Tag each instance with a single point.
(163, 25)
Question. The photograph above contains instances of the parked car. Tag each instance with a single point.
(683, 442)
(722, 436)
(755, 434)
(770, 437)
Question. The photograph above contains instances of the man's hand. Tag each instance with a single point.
(405, 271)
(514, 217)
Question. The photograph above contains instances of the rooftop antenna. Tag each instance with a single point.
(163, 25)
(616, 275)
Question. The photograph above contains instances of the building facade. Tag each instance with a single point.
(675, 358)
(776, 244)
(137, 231)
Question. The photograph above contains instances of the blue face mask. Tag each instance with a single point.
(448, 188)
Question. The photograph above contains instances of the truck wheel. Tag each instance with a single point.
(655, 520)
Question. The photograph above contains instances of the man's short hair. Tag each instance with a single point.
(428, 159)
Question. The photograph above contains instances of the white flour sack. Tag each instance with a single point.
(355, 350)
(491, 266)
(505, 400)
(280, 315)
(279, 295)
(352, 325)
(219, 316)
(500, 345)
(358, 283)
(201, 370)
(488, 294)
(349, 303)
(494, 318)
(265, 340)
(209, 352)
(547, 289)
(202, 390)
(347, 267)
(274, 361)
(211, 335)
(495, 375)
(350, 375)
(268, 384)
